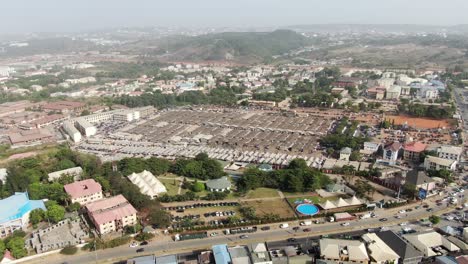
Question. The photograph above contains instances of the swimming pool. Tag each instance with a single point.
(307, 209)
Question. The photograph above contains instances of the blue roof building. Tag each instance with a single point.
(221, 254)
(14, 212)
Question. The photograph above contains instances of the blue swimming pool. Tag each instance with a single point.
(307, 209)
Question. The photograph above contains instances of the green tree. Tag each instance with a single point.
(198, 186)
(159, 218)
(2, 248)
(355, 156)
(143, 236)
(74, 207)
(16, 247)
(55, 213)
(36, 216)
(434, 219)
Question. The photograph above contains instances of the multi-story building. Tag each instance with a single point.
(86, 128)
(84, 192)
(406, 252)
(412, 151)
(449, 152)
(71, 131)
(14, 212)
(391, 151)
(111, 214)
(436, 163)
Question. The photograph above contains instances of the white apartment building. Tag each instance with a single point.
(436, 163)
(71, 131)
(450, 152)
(86, 128)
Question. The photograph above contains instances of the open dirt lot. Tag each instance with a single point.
(420, 123)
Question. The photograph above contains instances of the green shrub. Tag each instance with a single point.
(69, 250)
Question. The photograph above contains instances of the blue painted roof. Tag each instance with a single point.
(221, 254)
(17, 205)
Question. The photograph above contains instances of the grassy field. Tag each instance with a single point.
(172, 188)
(262, 193)
(275, 206)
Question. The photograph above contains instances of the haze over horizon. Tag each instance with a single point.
(22, 16)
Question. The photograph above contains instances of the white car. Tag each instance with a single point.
(214, 234)
(345, 224)
(401, 211)
(134, 244)
(403, 224)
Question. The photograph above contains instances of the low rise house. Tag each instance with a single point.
(420, 180)
(436, 163)
(239, 255)
(431, 243)
(406, 252)
(167, 259)
(84, 192)
(147, 183)
(379, 251)
(76, 172)
(150, 259)
(14, 212)
(412, 151)
(259, 254)
(111, 214)
(219, 185)
(345, 153)
(221, 254)
(341, 250)
(370, 148)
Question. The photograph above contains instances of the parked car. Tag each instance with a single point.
(144, 243)
(244, 237)
(345, 224)
(265, 228)
(383, 219)
(214, 234)
(134, 244)
(307, 230)
(140, 250)
(292, 239)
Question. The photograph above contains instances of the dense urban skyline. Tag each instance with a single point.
(53, 15)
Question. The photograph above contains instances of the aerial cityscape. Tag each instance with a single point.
(251, 132)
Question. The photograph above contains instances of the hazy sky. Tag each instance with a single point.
(78, 15)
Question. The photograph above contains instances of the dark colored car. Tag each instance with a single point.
(144, 243)
(292, 239)
(265, 228)
(383, 219)
(140, 250)
(295, 228)
(307, 230)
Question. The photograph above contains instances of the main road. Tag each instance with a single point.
(162, 245)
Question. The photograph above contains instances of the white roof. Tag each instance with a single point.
(341, 203)
(334, 248)
(425, 241)
(327, 205)
(379, 251)
(353, 201)
(440, 161)
(76, 171)
(147, 183)
(3, 174)
(450, 149)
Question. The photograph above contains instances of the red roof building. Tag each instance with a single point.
(413, 150)
(84, 192)
(112, 214)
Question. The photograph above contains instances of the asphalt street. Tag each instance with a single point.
(163, 245)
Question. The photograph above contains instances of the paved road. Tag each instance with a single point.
(163, 245)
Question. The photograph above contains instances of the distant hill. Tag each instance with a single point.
(236, 46)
